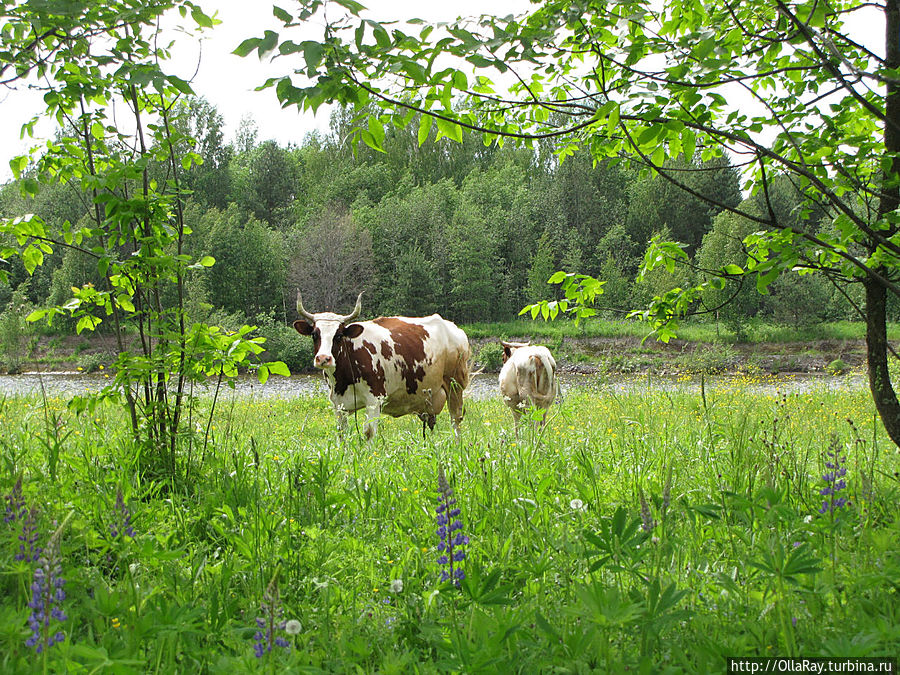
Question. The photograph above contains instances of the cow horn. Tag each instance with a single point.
(356, 310)
(302, 311)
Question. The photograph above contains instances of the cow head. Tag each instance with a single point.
(327, 330)
(510, 347)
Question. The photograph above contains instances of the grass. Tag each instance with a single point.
(757, 331)
(647, 529)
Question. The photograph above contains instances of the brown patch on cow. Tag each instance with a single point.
(353, 365)
(386, 350)
(409, 345)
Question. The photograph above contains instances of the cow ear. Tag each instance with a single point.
(303, 327)
(354, 330)
(507, 352)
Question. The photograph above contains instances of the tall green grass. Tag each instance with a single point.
(756, 332)
(647, 529)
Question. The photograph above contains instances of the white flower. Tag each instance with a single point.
(292, 627)
(396, 586)
(576, 505)
(808, 519)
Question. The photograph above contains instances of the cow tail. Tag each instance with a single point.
(539, 375)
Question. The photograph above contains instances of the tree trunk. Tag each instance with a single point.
(876, 294)
(877, 353)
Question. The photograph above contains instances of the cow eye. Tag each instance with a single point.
(316, 332)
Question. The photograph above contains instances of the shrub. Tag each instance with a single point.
(837, 367)
(283, 343)
(94, 361)
(712, 358)
(15, 332)
(490, 356)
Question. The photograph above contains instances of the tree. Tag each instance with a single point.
(738, 300)
(201, 126)
(271, 183)
(542, 268)
(94, 60)
(781, 84)
(250, 268)
(331, 261)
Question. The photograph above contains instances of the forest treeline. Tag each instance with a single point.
(469, 231)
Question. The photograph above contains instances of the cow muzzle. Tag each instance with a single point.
(324, 361)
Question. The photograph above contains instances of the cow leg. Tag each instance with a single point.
(454, 397)
(373, 412)
(428, 419)
(341, 416)
(517, 414)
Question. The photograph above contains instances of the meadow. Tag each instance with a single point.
(644, 529)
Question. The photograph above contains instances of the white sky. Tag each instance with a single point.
(228, 81)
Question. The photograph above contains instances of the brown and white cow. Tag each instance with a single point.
(528, 377)
(395, 365)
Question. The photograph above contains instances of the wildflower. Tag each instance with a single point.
(122, 523)
(28, 552)
(834, 480)
(667, 494)
(576, 505)
(396, 586)
(15, 503)
(292, 627)
(47, 596)
(270, 622)
(450, 544)
(647, 522)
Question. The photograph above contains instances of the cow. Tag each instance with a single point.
(395, 365)
(528, 377)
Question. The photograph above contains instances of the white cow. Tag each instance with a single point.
(528, 377)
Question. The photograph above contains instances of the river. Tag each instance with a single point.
(66, 384)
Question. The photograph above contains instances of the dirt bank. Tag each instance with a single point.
(625, 354)
(630, 355)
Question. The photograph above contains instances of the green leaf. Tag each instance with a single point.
(449, 129)
(613, 120)
(29, 186)
(267, 44)
(281, 14)
(32, 257)
(89, 322)
(425, 122)
(354, 7)
(279, 368)
(246, 46)
(200, 18)
(377, 131)
(18, 165)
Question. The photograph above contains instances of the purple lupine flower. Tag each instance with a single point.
(15, 503)
(28, 551)
(122, 518)
(647, 521)
(47, 596)
(834, 480)
(450, 544)
(265, 637)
